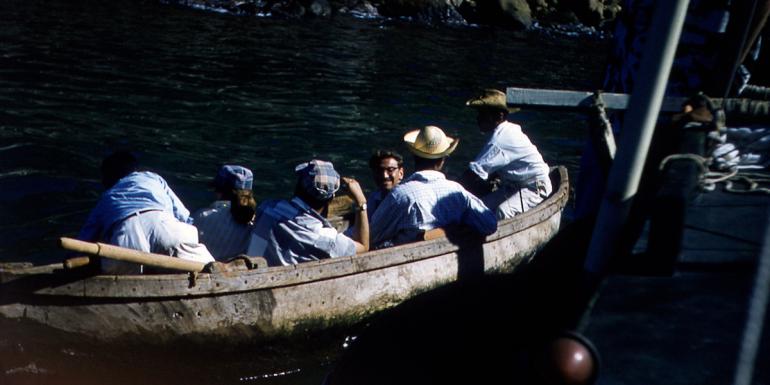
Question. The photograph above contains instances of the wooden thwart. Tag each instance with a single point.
(128, 255)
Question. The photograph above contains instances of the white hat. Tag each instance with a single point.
(430, 142)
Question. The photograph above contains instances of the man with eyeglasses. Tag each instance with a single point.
(387, 171)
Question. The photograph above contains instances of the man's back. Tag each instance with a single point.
(290, 232)
(134, 193)
(424, 201)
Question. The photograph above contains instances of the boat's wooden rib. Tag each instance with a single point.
(267, 302)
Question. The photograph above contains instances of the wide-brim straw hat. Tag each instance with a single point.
(430, 142)
(490, 98)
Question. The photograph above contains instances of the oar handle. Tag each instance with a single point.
(75, 262)
(129, 255)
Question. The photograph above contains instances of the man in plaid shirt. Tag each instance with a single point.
(288, 232)
(427, 200)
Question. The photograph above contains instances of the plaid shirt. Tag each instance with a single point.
(290, 232)
(424, 201)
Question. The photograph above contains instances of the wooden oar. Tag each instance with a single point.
(75, 262)
(128, 255)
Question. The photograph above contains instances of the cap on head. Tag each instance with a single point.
(430, 142)
(318, 178)
(490, 98)
(232, 177)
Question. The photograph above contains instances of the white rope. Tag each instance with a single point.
(707, 179)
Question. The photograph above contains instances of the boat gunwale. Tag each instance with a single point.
(191, 285)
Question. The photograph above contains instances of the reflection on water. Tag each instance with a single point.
(190, 90)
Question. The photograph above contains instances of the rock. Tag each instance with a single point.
(518, 11)
(512, 13)
(288, 9)
(429, 11)
(320, 8)
(519, 14)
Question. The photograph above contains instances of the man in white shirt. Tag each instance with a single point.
(509, 156)
(140, 211)
(225, 226)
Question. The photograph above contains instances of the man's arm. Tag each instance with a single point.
(361, 230)
(474, 184)
(479, 217)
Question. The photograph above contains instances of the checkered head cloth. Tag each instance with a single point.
(232, 177)
(318, 178)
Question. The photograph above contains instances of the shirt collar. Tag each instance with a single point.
(304, 207)
(426, 176)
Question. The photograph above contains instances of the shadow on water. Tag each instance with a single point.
(31, 354)
(484, 330)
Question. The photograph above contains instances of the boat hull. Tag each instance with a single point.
(268, 303)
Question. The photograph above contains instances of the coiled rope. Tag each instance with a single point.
(708, 179)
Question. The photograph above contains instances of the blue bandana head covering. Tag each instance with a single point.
(232, 177)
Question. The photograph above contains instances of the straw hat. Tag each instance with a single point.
(430, 142)
(492, 99)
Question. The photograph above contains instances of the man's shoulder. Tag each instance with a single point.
(217, 208)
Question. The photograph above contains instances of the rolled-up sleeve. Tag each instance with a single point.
(490, 159)
(333, 243)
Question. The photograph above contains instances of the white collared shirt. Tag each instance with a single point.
(511, 154)
(218, 230)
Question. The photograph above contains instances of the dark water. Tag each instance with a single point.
(190, 90)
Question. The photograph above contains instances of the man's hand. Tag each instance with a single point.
(355, 190)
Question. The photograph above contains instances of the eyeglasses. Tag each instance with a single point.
(389, 170)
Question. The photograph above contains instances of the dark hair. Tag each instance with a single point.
(379, 155)
(243, 206)
(311, 201)
(425, 164)
(116, 166)
(494, 111)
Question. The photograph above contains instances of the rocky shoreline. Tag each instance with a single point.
(518, 14)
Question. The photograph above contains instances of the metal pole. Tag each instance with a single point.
(638, 127)
(752, 333)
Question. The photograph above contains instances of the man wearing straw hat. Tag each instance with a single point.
(287, 232)
(426, 199)
(508, 155)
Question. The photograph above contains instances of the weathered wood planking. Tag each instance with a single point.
(540, 98)
(267, 302)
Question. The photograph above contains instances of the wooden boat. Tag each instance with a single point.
(266, 302)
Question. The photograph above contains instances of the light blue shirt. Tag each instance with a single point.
(220, 232)
(427, 200)
(290, 232)
(373, 201)
(511, 154)
(136, 192)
